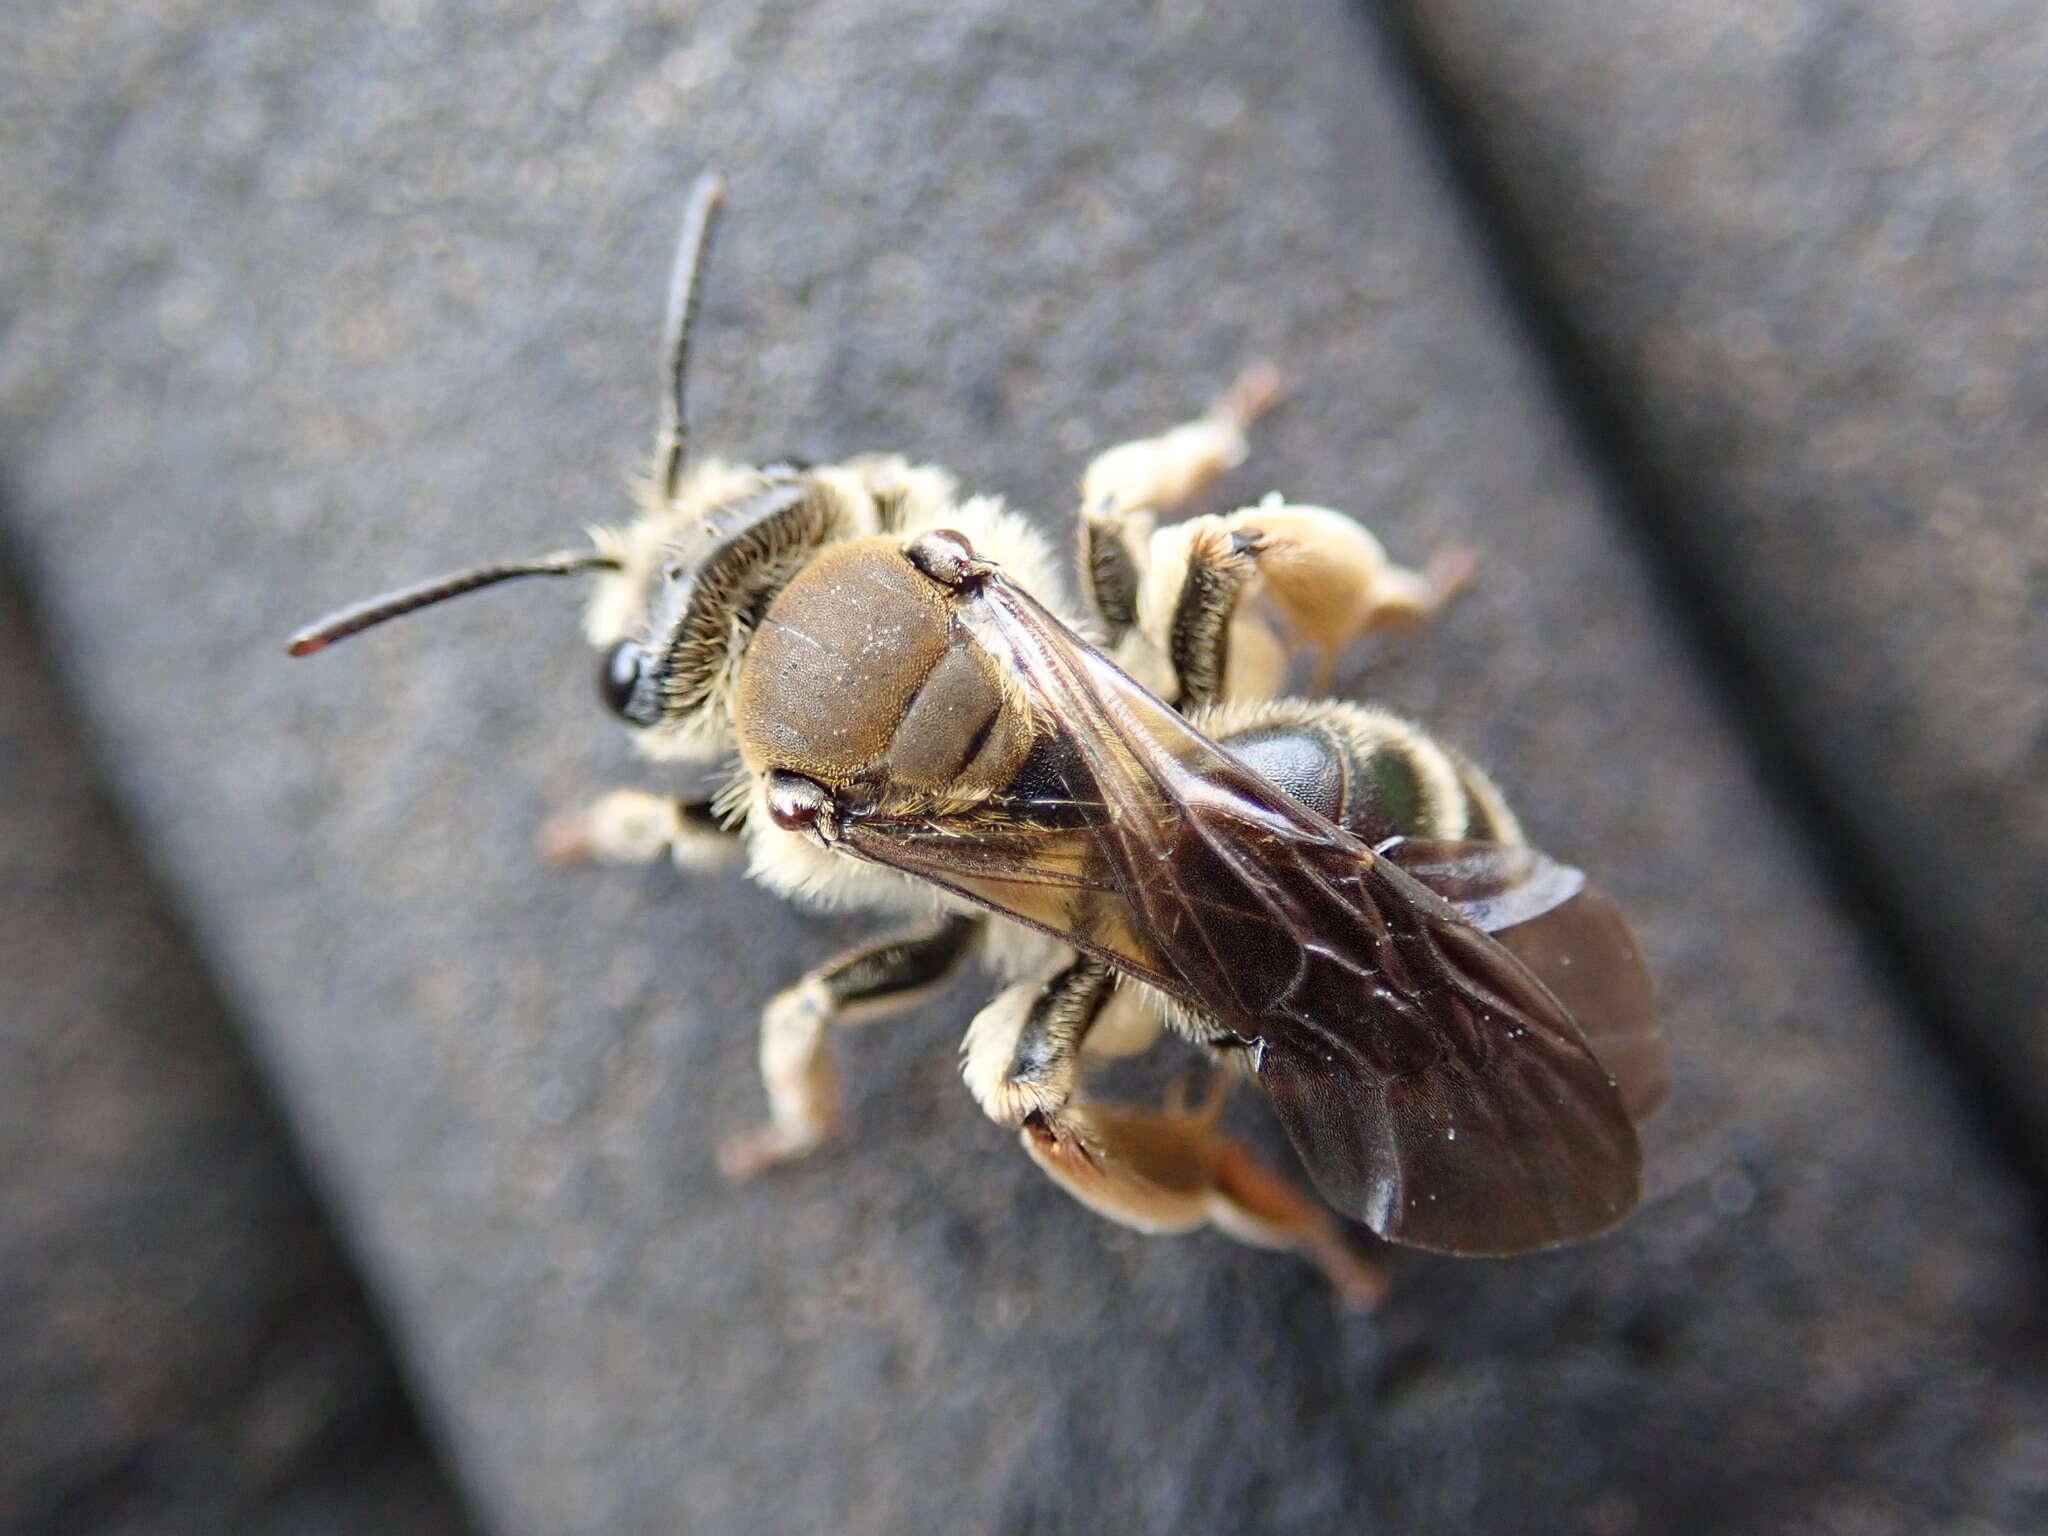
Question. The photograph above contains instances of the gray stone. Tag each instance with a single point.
(309, 302)
(1799, 251)
(183, 1348)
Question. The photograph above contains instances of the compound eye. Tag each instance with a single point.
(618, 678)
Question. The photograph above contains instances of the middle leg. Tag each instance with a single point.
(1126, 484)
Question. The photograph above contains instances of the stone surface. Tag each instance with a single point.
(183, 1348)
(1799, 254)
(305, 302)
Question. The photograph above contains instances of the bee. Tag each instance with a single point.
(1111, 805)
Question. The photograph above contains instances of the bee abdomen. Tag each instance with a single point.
(1372, 773)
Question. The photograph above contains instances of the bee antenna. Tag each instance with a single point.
(700, 214)
(360, 616)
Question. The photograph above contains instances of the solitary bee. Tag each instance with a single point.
(1131, 828)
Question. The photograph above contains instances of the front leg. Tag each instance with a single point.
(630, 826)
(878, 978)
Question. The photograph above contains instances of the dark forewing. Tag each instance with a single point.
(1433, 1086)
(1570, 934)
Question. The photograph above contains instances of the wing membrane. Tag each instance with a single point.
(1435, 1088)
(1570, 934)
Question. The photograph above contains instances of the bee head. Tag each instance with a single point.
(692, 587)
(679, 596)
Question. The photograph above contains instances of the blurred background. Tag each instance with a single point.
(355, 1169)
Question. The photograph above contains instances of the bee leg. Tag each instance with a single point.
(1188, 609)
(1022, 1054)
(1172, 1171)
(1125, 484)
(878, 978)
(630, 826)
(1319, 573)
(1329, 580)
(1163, 1172)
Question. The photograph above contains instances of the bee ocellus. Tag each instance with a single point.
(1108, 803)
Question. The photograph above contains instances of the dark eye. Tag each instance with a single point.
(618, 677)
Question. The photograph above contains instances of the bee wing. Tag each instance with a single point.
(1570, 934)
(1434, 1087)
(1494, 886)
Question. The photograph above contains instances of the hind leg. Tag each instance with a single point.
(1211, 591)
(1160, 1171)
(1329, 581)
(1171, 1170)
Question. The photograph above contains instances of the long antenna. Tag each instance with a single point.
(360, 616)
(672, 438)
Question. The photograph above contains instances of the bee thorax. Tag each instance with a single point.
(859, 675)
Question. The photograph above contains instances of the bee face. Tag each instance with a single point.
(691, 588)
